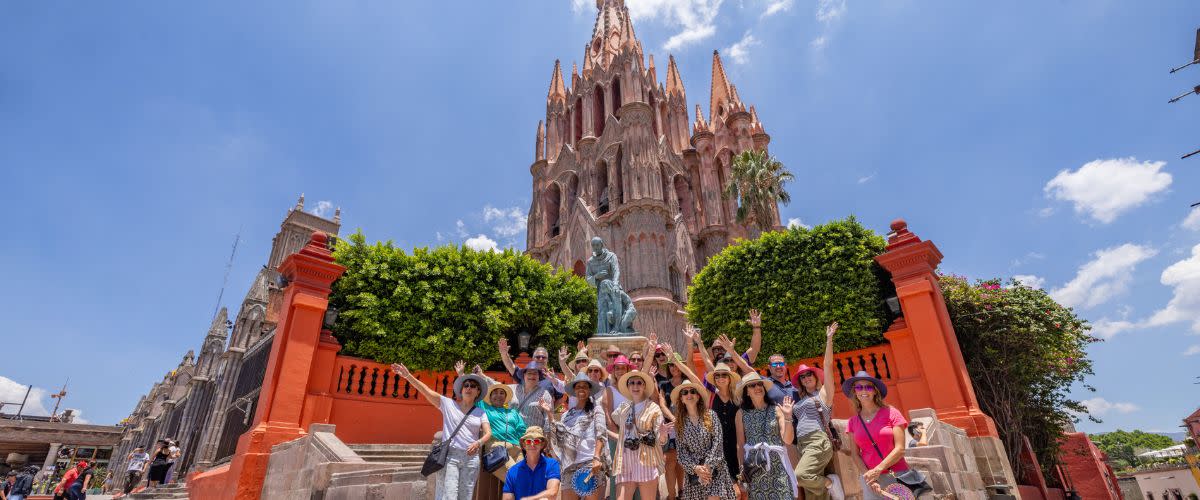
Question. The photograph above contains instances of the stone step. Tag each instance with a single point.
(407, 454)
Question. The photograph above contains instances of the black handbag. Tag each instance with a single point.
(438, 453)
(495, 458)
(912, 479)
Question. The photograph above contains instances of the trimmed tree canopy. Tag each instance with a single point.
(1125, 446)
(434, 307)
(802, 280)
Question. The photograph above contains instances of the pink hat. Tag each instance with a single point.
(621, 360)
(802, 369)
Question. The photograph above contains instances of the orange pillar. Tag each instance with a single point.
(281, 411)
(932, 345)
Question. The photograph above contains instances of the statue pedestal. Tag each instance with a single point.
(597, 346)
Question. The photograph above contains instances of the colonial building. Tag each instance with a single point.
(618, 156)
(207, 401)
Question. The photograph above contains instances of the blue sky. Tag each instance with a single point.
(137, 138)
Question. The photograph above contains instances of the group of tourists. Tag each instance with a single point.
(611, 425)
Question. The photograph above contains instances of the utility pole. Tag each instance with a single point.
(58, 397)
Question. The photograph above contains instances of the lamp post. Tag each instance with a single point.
(523, 339)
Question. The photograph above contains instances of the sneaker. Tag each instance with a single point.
(835, 487)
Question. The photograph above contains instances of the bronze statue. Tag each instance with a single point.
(614, 309)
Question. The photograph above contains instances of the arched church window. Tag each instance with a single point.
(598, 114)
(616, 94)
(553, 200)
(578, 120)
(602, 193)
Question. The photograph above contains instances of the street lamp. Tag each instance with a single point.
(523, 339)
(331, 314)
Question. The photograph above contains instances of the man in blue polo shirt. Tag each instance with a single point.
(536, 477)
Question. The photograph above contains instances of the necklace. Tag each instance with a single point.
(870, 418)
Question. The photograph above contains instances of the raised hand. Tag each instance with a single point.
(478, 369)
(755, 318)
(401, 370)
(668, 349)
(691, 333)
(653, 337)
(652, 371)
(563, 354)
(459, 365)
(581, 346)
(785, 406)
(830, 330)
(727, 343)
(502, 345)
(545, 406)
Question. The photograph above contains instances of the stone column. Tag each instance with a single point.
(281, 404)
(51, 456)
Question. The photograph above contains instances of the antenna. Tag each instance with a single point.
(1195, 89)
(228, 267)
(58, 397)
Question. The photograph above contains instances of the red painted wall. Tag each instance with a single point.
(1086, 470)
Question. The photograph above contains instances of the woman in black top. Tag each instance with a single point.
(160, 464)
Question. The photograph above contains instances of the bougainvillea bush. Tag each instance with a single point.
(435, 306)
(802, 280)
(1024, 352)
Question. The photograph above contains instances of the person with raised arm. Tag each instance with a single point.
(580, 439)
(764, 431)
(666, 387)
(641, 433)
(577, 365)
(811, 415)
(456, 481)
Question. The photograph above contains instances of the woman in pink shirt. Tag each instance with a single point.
(878, 431)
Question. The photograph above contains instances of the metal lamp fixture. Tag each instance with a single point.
(523, 339)
(331, 314)
(893, 305)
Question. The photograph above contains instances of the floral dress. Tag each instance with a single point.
(699, 446)
(762, 426)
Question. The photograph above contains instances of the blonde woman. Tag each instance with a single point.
(580, 438)
(640, 435)
(878, 431)
(699, 446)
(763, 427)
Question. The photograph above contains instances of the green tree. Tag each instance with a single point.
(801, 280)
(756, 181)
(435, 306)
(1023, 352)
(1124, 446)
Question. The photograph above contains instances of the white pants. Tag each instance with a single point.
(457, 480)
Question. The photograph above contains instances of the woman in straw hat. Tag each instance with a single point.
(724, 403)
(580, 438)
(641, 433)
(699, 445)
(811, 416)
(763, 427)
(878, 431)
(507, 428)
(457, 480)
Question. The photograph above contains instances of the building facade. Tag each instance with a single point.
(618, 156)
(208, 400)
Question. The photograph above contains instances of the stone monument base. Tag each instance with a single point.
(598, 345)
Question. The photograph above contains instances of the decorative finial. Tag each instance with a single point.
(300, 202)
(337, 215)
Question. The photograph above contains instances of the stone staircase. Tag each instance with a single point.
(177, 490)
(408, 455)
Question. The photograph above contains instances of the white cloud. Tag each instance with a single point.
(1028, 257)
(13, 392)
(1184, 277)
(796, 222)
(867, 178)
(1046, 212)
(79, 417)
(777, 6)
(1193, 220)
(829, 11)
(578, 5)
(1030, 280)
(1106, 328)
(506, 222)
(322, 208)
(1099, 406)
(1192, 351)
(695, 17)
(739, 52)
(1104, 189)
(460, 228)
(1104, 277)
(818, 43)
(481, 243)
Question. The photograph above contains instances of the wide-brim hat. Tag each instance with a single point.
(751, 378)
(508, 393)
(595, 363)
(594, 386)
(687, 384)
(848, 385)
(802, 369)
(532, 365)
(582, 356)
(479, 379)
(646, 379)
(734, 377)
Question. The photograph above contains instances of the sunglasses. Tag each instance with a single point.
(633, 382)
(613, 354)
(539, 356)
(595, 370)
(808, 375)
(529, 442)
(660, 355)
(688, 392)
(756, 385)
(864, 387)
(777, 365)
(470, 385)
(720, 375)
(635, 360)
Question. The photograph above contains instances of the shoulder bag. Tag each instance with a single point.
(496, 457)
(438, 453)
(912, 479)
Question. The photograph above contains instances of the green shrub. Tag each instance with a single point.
(436, 306)
(801, 280)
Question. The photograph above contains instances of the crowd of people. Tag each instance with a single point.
(613, 425)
